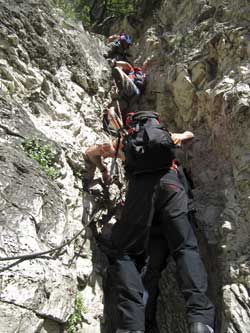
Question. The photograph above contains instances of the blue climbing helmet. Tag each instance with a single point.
(125, 39)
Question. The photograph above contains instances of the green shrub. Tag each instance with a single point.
(67, 8)
(76, 318)
(83, 10)
(43, 154)
(121, 7)
(75, 10)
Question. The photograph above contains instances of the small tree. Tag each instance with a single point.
(94, 11)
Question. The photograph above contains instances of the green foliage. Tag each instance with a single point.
(43, 155)
(84, 10)
(78, 174)
(67, 8)
(7, 89)
(76, 318)
(121, 7)
(75, 10)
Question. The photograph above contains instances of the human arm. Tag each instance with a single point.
(182, 138)
(97, 153)
(112, 38)
(94, 154)
(113, 116)
(125, 66)
(113, 48)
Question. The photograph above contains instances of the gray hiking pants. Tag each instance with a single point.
(129, 88)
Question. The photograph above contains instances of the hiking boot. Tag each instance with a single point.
(200, 328)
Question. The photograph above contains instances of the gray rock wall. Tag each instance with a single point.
(54, 84)
(200, 81)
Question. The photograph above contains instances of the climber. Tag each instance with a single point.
(159, 254)
(96, 154)
(118, 45)
(158, 258)
(116, 112)
(156, 194)
(131, 82)
(112, 117)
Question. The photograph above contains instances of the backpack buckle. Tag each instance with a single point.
(129, 119)
(139, 149)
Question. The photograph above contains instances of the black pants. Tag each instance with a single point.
(158, 255)
(162, 198)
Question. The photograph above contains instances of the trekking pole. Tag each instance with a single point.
(118, 122)
(116, 155)
(119, 110)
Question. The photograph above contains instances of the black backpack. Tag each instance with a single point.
(148, 146)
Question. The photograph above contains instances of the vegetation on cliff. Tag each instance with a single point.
(90, 12)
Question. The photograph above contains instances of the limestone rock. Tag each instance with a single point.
(201, 83)
(54, 86)
(53, 83)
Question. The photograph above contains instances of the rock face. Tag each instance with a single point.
(54, 83)
(201, 81)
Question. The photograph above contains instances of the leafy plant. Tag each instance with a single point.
(43, 154)
(121, 7)
(76, 318)
(78, 174)
(75, 10)
(85, 10)
(67, 8)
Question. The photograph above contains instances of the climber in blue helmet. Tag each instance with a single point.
(118, 46)
(125, 40)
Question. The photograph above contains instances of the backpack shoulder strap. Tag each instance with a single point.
(143, 115)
